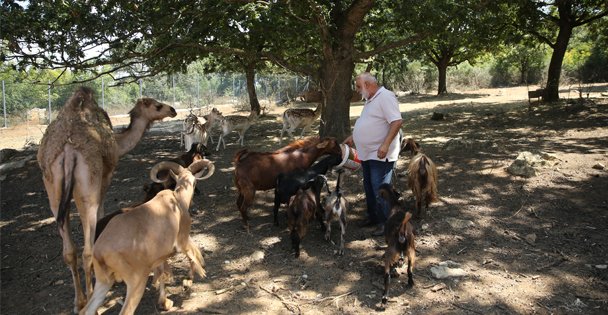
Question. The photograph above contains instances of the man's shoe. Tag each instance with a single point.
(379, 231)
(367, 223)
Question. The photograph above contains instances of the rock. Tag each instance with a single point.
(599, 166)
(549, 156)
(442, 272)
(455, 144)
(6, 154)
(459, 224)
(438, 287)
(13, 165)
(257, 256)
(437, 116)
(525, 163)
(531, 238)
(601, 266)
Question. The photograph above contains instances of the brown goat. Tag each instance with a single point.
(301, 211)
(422, 176)
(141, 240)
(399, 236)
(259, 170)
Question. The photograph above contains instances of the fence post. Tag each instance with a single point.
(198, 91)
(4, 103)
(49, 102)
(103, 96)
(173, 88)
(141, 90)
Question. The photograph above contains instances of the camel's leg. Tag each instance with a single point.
(53, 188)
(87, 196)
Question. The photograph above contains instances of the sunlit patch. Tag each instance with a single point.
(35, 225)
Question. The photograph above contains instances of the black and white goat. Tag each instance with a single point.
(288, 184)
(334, 208)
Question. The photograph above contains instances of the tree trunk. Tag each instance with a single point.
(555, 66)
(253, 97)
(442, 68)
(336, 78)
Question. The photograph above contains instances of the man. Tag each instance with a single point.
(375, 138)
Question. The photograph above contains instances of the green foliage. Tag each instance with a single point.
(518, 64)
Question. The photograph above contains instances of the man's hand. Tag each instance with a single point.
(349, 141)
(382, 151)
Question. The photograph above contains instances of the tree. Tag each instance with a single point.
(323, 39)
(552, 22)
(463, 31)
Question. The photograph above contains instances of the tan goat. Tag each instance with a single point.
(78, 154)
(139, 241)
(422, 177)
(298, 117)
(236, 123)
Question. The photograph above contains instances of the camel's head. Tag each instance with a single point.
(152, 109)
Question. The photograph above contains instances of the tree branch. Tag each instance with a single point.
(389, 46)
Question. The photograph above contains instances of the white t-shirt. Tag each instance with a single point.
(372, 127)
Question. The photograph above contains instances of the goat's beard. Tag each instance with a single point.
(365, 93)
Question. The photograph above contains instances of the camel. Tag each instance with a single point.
(78, 154)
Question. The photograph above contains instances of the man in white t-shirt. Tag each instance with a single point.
(377, 144)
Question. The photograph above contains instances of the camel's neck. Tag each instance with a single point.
(128, 139)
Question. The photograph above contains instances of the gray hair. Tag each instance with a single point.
(367, 77)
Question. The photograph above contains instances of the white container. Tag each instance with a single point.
(350, 159)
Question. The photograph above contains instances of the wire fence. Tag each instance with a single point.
(39, 102)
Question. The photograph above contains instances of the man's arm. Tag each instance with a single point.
(393, 130)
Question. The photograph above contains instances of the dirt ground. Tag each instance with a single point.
(525, 245)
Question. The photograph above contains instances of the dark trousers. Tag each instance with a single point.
(376, 173)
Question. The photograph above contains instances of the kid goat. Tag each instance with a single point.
(141, 240)
(300, 212)
(335, 209)
(399, 236)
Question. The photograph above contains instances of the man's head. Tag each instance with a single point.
(366, 84)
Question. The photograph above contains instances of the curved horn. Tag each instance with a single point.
(176, 168)
(199, 166)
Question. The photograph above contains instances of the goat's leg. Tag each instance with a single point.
(97, 298)
(327, 224)
(411, 258)
(295, 242)
(136, 285)
(244, 201)
(197, 262)
(342, 231)
(388, 259)
(282, 131)
(277, 205)
(161, 275)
